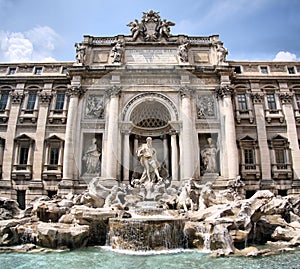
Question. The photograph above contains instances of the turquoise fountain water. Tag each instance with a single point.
(107, 259)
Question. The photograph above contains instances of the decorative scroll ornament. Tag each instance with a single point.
(286, 98)
(224, 91)
(151, 28)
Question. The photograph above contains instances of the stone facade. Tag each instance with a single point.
(63, 123)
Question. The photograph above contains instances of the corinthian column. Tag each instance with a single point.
(229, 153)
(74, 93)
(112, 134)
(187, 135)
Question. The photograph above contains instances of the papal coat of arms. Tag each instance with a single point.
(151, 27)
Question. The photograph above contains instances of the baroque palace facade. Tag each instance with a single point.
(210, 119)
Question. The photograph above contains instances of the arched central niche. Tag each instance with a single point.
(150, 114)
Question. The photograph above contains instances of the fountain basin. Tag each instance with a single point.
(144, 234)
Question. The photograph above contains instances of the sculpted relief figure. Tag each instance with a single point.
(92, 158)
(209, 157)
(147, 155)
(94, 107)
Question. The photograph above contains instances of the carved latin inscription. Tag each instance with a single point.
(151, 56)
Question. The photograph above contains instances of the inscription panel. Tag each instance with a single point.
(151, 56)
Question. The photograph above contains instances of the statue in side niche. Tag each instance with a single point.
(92, 158)
(209, 157)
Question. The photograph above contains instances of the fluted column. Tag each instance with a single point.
(288, 111)
(174, 157)
(258, 99)
(74, 93)
(126, 156)
(112, 134)
(229, 152)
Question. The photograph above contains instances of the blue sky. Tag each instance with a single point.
(46, 30)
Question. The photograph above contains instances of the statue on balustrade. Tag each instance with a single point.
(209, 157)
(92, 158)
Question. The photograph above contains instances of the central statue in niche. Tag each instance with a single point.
(147, 155)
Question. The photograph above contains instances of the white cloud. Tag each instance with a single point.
(37, 44)
(285, 56)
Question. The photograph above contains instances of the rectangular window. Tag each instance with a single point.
(54, 155)
(249, 156)
(242, 101)
(3, 101)
(60, 99)
(280, 158)
(264, 70)
(271, 101)
(12, 70)
(23, 158)
(31, 101)
(38, 70)
(291, 70)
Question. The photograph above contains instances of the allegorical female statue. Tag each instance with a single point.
(92, 158)
(209, 157)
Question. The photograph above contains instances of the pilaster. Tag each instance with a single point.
(258, 103)
(288, 111)
(16, 98)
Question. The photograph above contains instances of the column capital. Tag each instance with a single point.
(16, 97)
(75, 91)
(224, 91)
(113, 91)
(286, 98)
(186, 91)
(45, 97)
(257, 98)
